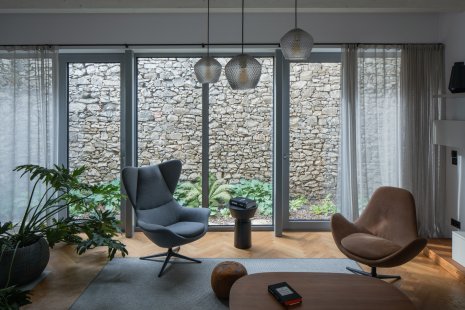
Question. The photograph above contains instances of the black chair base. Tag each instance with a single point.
(373, 274)
(170, 253)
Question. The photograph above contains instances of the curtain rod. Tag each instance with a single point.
(127, 45)
(143, 44)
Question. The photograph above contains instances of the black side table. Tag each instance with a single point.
(243, 227)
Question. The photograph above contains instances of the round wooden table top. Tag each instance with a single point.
(318, 291)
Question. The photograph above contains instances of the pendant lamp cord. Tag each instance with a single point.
(295, 14)
(208, 29)
(242, 26)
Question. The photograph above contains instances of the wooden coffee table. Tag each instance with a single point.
(319, 291)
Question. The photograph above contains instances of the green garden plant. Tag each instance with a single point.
(12, 298)
(326, 207)
(63, 189)
(190, 194)
(297, 203)
(257, 190)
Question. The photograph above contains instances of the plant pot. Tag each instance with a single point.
(28, 263)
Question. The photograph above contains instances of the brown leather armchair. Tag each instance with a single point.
(385, 235)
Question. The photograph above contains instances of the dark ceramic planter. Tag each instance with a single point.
(29, 262)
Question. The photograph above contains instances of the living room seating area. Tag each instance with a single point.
(271, 153)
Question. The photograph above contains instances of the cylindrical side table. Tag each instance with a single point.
(243, 226)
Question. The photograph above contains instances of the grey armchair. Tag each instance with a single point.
(150, 190)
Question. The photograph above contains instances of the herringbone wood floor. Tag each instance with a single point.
(428, 285)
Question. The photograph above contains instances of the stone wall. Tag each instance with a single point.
(241, 128)
(169, 101)
(94, 120)
(170, 120)
(314, 129)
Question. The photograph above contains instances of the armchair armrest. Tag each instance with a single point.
(341, 227)
(194, 215)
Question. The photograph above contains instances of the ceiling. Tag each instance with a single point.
(192, 6)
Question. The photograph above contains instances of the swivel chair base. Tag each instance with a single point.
(373, 273)
(169, 254)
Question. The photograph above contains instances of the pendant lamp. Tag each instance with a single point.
(208, 69)
(243, 71)
(296, 44)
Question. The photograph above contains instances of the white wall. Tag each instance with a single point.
(190, 28)
(452, 33)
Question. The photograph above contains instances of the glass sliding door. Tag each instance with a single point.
(314, 130)
(94, 130)
(240, 155)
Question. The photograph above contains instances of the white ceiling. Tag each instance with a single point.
(265, 6)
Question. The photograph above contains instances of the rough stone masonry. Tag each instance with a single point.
(169, 111)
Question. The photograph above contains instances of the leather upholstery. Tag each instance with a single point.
(385, 235)
(150, 190)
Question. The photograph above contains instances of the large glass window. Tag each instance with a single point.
(169, 126)
(314, 118)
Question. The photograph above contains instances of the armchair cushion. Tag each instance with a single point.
(187, 229)
(369, 246)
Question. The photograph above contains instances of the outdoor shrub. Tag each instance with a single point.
(257, 190)
(298, 203)
(326, 207)
(225, 212)
(190, 194)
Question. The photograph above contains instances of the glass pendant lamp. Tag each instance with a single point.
(208, 69)
(296, 44)
(243, 71)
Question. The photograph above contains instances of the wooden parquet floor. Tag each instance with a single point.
(428, 285)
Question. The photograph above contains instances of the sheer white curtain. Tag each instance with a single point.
(370, 129)
(422, 164)
(346, 196)
(28, 107)
(388, 105)
(378, 120)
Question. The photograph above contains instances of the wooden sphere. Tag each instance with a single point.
(223, 277)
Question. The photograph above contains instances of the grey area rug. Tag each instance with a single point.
(130, 283)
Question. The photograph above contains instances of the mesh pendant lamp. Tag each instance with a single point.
(296, 44)
(208, 69)
(243, 71)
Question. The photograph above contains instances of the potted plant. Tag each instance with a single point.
(24, 246)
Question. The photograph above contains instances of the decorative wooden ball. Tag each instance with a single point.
(223, 277)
